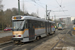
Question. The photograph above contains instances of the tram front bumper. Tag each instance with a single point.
(17, 39)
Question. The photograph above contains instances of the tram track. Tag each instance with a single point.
(60, 39)
(6, 43)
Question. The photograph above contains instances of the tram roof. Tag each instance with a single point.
(31, 18)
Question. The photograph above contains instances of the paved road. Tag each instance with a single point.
(31, 45)
(4, 34)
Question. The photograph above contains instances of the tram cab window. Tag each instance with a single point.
(18, 24)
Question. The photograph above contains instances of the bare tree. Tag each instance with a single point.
(1, 6)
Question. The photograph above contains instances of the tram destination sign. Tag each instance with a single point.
(18, 17)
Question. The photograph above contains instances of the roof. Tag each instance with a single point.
(31, 18)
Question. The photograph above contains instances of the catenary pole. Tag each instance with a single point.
(18, 7)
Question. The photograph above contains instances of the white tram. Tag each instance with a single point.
(28, 28)
(61, 26)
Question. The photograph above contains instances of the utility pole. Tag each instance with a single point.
(55, 19)
(23, 7)
(49, 11)
(46, 12)
(18, 7)
(37, 12)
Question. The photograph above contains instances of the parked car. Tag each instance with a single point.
(8, 29)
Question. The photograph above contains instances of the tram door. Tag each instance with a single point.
(31, 30)
(47, 29)
(46, 26)
(50, 28)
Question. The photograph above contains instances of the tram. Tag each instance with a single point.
(29, 28)
(61, 26)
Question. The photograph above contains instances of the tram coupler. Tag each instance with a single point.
(17, 42)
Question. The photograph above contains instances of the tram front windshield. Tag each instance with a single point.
(59, 25)
(18, 24)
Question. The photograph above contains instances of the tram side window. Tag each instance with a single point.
(26, 24)
(42, 24)
(47, 24)
(38, 24)
(35, 24)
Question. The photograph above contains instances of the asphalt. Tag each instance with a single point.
(4, 34)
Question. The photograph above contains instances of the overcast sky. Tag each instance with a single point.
(40, 5)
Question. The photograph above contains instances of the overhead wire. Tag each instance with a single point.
(60, 6)
(37, 3)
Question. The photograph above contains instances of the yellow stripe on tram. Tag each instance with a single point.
(22, 32)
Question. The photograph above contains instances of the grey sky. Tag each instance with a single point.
(40, 6)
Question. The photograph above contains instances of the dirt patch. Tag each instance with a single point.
(5, 39)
